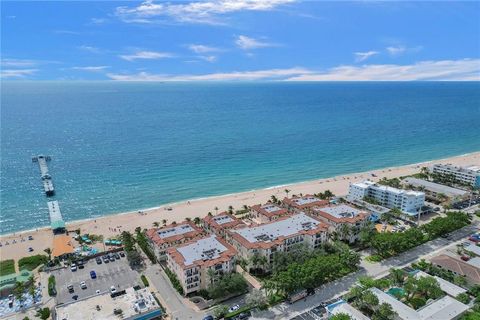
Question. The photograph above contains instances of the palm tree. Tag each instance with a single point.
(209, 213)
(156, 224)
(287, 192)
(328, 194)
(245, 207)
(174, 222)
(345, 232)
(188, 219)
(196, 220)
(274, 199)
(216, 210)
(164, 222)
(230, 209)
(49, 252)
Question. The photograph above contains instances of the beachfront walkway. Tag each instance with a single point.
(337, 288)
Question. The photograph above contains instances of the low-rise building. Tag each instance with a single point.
(279, 236)
(174, 234)
(436, 190)
(469, 175)
(267, 212)
(192, 261)
(345, 220)
(305, 203)
(449, 288)
(458, 267)
(445, 308)
(222, 222)
(132, 305)
(342, 307)
(409, 202)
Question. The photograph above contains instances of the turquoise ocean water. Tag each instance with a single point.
(124, 146)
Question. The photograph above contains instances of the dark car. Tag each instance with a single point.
(105, 259)
(70, 288)
(99, 261)
(80, 264)
(244, 315)
(93, 275)
(30, 238)
(208, 318)
(111, 258)
(75, 297)
(122, 254)
(117, 256)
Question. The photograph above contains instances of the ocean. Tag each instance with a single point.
(118, 147)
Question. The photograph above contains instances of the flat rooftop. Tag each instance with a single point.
(271, 208)
(222, 219)
(174, 231)
(446, 286)
(435, 187)
(370, 184)
(208, 248)
(272, 231)
(466, 169)
(345, 308)
(341, 211)
(132, 303)
(305, 200)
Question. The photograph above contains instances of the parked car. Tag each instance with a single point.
(30, 249)
(97, 291)
(466, 244)
(73, 267)
(83, 285)
(208, 318)
(112, 289)
(75, 297)
(111, 258)
(99, 261)
(117, 256)
(233, 308)
(30, 238)
(93, 275)
(80, 264)
(105, 259)
(70, 288)
(122, 254)
(465, 258)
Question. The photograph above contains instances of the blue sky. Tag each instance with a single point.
(240, 40)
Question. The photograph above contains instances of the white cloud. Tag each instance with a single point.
(208, 58)
(464, 69)
(400, 49)
(271, 74)
(91, 68)
(247, 43)
(200, 48)
(148, 55)
(17, 73)
(362, 56)
(98, 21)
(207, 12)
(18, 63)
(90, 49)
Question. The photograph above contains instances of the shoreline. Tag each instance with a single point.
(112, 224)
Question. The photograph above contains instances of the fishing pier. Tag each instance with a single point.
(46, 178)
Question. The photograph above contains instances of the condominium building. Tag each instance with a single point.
(174, 234)
(279, 236)
(222, 222)
(267, 212)
(410, 202)
(304, 203)
(468, 175)
(345, 220)
(192, 261)
(436, 191)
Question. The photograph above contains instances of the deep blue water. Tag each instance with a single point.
(126, 146)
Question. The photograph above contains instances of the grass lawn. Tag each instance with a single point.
(32, 262)
(7, 267)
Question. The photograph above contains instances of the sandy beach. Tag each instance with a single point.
(112, 225)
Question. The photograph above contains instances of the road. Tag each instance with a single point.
(339, 287)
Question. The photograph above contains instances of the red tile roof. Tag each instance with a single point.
(292, 202)
(457, 266)
(155, 237)
(211, 221)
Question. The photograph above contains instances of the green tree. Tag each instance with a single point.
(164, 222)
(197, 220)
(340, 316)
(397, 276)
(256, 298)
(384, 312)
(43, 313)
(156, 224)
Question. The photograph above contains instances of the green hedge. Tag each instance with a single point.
(32, 262)
(7, 267)
(52, 291)
(145, 280)
(174, 280)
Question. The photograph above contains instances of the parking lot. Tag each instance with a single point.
(116, 273)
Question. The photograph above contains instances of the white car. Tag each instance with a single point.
(112, 289)
(234, 308)
(97, 291)
(73, 267)
(83, 285)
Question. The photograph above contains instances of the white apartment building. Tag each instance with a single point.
(410, 202)
(279, 236)
(469, 175)
(191, 261)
